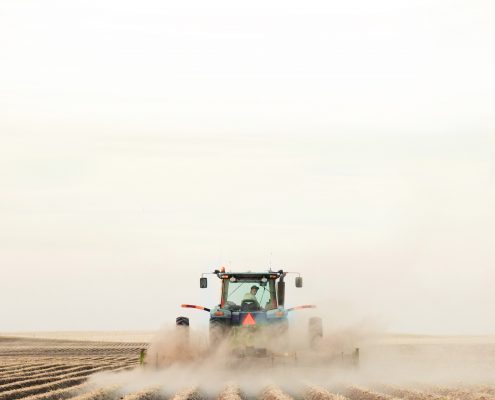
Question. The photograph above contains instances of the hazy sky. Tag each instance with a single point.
(142, 143)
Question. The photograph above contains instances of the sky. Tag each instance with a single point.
(143, 143)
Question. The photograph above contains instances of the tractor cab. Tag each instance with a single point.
(249, 298)
(265, 289)
(249, 291)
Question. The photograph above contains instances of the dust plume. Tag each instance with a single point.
(179, 358)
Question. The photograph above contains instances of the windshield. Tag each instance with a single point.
(264, 298)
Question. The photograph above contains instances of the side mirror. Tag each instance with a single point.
(299, 281)
(203, 283)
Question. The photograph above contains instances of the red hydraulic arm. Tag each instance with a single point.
(301, 307)
(193, 306)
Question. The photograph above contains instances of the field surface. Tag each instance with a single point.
(50, 369)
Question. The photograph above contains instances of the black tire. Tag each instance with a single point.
(182, 321)
(281, 328)
(218, 332)
(315, 331)
(182, 326)
(355, 357)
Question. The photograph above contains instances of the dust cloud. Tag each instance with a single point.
(180, 358)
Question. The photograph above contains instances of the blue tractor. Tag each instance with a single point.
(252, 313)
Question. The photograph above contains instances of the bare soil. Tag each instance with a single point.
(52, 369)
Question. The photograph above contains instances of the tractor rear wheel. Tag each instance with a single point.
(315, 331)
(217, 332)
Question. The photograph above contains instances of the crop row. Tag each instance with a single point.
(60, 382)
(83, 391)
(51, 370)
(47, 378)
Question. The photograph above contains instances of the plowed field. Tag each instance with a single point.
(41, 369)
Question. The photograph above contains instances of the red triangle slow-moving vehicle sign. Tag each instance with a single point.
(249, 320)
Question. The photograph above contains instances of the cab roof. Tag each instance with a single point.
(250, 275)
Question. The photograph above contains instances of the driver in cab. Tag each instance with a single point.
(251, 296)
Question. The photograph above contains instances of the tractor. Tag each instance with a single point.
(251, 319)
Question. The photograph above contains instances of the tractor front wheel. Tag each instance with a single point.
(182, 324)
(182, 321)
